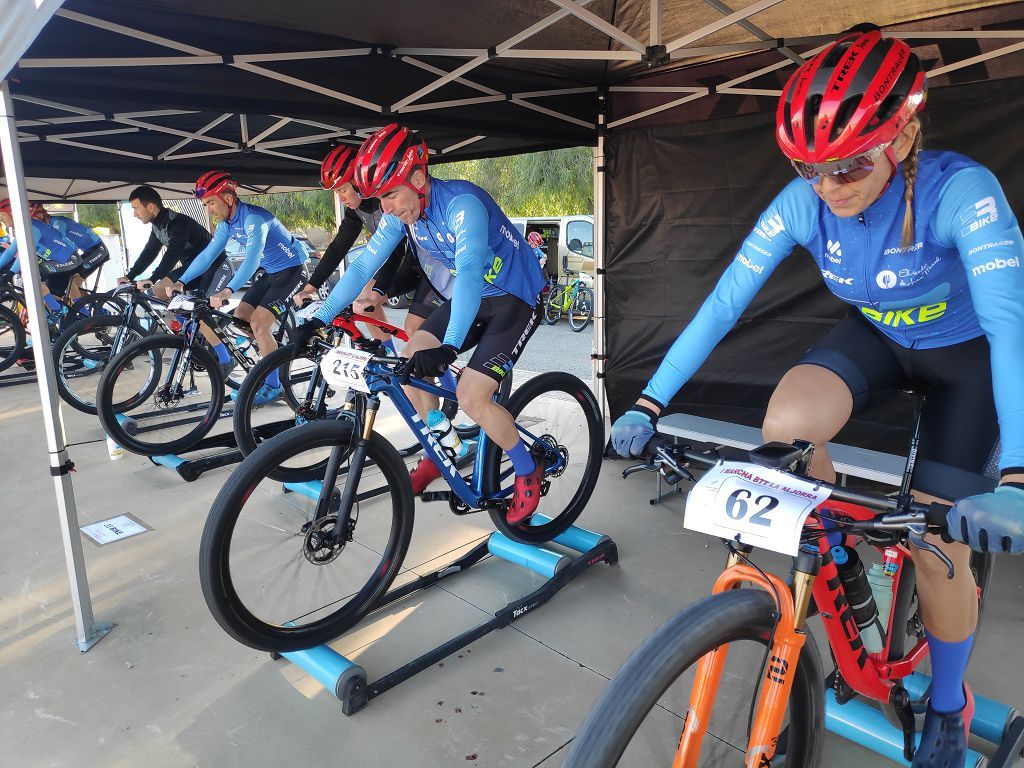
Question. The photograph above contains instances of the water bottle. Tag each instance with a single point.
(881, 590)
(445, 434)
(858, 593)
(114, 450)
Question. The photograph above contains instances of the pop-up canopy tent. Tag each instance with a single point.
(675, 96)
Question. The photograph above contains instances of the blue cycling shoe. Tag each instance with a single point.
(944, 737)
(267, 395)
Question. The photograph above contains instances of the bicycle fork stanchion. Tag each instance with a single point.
(348, 681)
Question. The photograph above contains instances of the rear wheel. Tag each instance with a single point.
(553, 306)
(12, 338)
(559, 421)
(581, 310)
(81, 354)
(160, 396)
(268, 576)
(628, 725)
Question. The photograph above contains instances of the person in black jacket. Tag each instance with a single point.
(399, 275)
(181, 237)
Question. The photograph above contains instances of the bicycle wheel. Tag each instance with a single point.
(81, 354)
(267, 582)
(159, 396)
(12, 338)
(560, 422)
(94, 305)
(253, 425)
(619, 720)
(581, 310)
(553, 307)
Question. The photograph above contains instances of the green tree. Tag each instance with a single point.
(99, 215)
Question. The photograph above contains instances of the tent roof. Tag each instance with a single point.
(112, 93)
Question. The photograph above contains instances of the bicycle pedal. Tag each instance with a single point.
(436, 495)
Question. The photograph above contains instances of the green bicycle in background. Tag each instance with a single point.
(575, 300)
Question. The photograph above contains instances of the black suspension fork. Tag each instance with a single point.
(181, 358)
(355, 472)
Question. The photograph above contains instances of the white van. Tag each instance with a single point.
(568, 241)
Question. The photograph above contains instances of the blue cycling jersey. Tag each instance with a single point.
(79, 234)
(465, 230)
(265, 240)
(963, 275)
(50, 245)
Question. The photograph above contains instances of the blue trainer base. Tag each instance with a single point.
(170, 460)
(991, 718)
(863, 724)
(537, 559)
(342, 677)
(579, 539)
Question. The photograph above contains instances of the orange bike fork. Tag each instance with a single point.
(775, 687)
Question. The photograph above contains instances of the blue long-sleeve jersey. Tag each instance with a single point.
(962, 277)
(264, 239)
(464, 229)
(49, 243)
(80, 235)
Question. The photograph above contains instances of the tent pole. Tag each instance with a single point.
(87, 630)
(598, 359)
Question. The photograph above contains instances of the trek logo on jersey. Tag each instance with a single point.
(834, 252)
(828, 275)
(982, 213)
(770, 225)
(897, 318)
(886, 279)
(757, 269)
(995, 264)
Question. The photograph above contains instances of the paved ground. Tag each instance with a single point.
(168, 688)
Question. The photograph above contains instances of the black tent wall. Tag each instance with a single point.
(681, 198)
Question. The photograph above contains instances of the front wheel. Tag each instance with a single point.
(560, 422)
(270, 576)
(81, 354)
(581, 310)
(12, 338)
(160, 395)
(622, 718)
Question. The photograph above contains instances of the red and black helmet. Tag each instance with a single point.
(37, 211)
(214, 183)
(388, 158)
(854, 96)
(5, 205)
(338, 167)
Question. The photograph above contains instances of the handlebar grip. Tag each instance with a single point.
(936, 515)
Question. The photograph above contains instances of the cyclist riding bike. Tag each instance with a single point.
(267, 244)
(925, 248)
(494, 295)
(50, 246)
(400, 273)
(94, 252)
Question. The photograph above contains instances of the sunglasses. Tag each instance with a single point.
(847, 171)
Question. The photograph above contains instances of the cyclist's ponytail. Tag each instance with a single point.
(909, 167)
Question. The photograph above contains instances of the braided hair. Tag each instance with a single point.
(909, 167)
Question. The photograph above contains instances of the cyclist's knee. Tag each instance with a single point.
(786, 424)
(262, 319)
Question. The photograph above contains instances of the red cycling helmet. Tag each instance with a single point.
(535, 238)
(214, 183)
(387, 159)
(855, 96)
(338, 167)
(36, 211)
(5, 205)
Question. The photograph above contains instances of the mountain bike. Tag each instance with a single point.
(575, 300)
(310, 397)
(163, 393)
(768, 501)
(280, 574)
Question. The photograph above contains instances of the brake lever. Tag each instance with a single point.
(653, 465)
(916, 538)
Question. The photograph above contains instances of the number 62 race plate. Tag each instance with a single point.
(761, 507)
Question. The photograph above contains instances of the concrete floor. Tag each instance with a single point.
(167, 687)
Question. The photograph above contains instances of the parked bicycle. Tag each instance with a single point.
(280, 575)
(768, 501)
(575, 300)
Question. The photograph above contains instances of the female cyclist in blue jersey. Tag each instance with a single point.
(94, 252)
(50, 246)
(927, 252)
(494, 302)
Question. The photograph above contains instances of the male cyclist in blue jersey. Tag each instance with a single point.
(94, 252)
(50, 247)
(926, 250)
(494, 295)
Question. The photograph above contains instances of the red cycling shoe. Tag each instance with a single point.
(423, 475)
(526, 496)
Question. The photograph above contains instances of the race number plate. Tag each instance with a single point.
(344, 367)
(755, 505)
(305, 314)
(181, 302)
